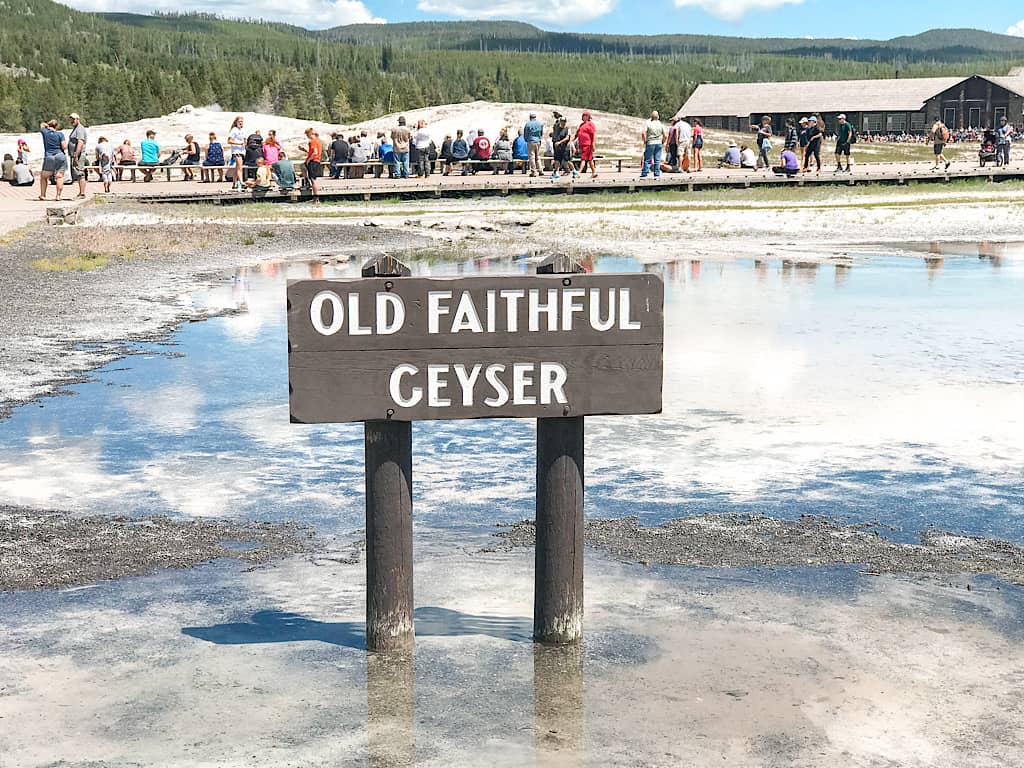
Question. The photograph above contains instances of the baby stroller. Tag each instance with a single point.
(988, 153)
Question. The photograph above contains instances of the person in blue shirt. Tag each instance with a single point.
(150, 155)
(459, 153)
(521, 151)
(533, 133)
(731, 158)
(55, 159)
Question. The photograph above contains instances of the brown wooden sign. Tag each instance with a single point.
(405, 349)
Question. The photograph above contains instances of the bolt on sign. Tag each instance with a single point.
(405, 348)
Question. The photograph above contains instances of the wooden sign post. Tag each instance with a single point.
(389, 349)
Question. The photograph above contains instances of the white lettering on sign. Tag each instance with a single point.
(316, 313)
(466, 318)
(550, 309)
(530, 383)
(397, 307)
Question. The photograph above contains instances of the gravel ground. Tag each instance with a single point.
(61, 322)
(742, 541)
(48, 549)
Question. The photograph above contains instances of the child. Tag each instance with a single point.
(105, 162)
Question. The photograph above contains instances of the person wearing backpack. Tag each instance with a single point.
(939, 136)
(845, 138)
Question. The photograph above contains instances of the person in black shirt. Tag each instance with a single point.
(338, 153)
(814, 137)
(253, 152)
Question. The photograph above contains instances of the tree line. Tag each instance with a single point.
(122, 67)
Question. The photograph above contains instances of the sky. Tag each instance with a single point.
(877, 19)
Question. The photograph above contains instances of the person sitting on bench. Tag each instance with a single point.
(283, 172)
(150, 155)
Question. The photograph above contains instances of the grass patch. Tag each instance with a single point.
(266, 233)
(248, 240)
(84, 262)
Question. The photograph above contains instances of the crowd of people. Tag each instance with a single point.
(250, 161)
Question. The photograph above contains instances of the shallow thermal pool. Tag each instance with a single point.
(869, 388)
(882, 389)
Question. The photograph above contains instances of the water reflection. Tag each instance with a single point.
(390, 710)
(558, 705)
(895, 398)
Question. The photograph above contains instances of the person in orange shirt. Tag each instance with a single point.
(314, 150)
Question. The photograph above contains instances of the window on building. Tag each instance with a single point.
(918, 121)
(974, 117)
(949, 117)
(896, 122)
(873, 122)
(999, 112)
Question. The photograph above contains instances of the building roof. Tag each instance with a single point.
(892, 95)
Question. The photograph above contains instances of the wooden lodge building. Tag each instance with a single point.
(872, 106)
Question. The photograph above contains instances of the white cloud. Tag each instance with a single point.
(555, 12)
(1017, 29)
(734, 10)
(312, 14)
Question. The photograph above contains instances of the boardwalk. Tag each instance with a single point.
(18, 206)
(486, 183)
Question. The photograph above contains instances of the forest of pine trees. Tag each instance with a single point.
(122, 67)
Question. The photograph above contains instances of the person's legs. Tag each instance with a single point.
(58, 180)
(81, 175)
(657, 160)
(763, 158)
(648, 159)
(236, 160)
(406, 170)
(44, 181)
(533, 151)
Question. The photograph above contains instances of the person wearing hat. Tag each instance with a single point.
(586, 136)
(76, 152)
(814, 136)
(844, 142)
(731, 158)
(533, 134)
(561, 152)
(1003, 134)
(23, 152)
(802, 138)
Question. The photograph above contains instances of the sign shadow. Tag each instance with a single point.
(430, 621)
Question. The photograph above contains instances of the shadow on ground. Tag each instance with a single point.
(283, 627)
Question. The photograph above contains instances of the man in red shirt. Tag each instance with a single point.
(585, 136)
(480, 149)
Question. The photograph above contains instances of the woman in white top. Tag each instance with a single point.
(236, 141)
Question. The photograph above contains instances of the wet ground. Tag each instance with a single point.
(881, 394)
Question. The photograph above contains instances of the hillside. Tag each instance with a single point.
(119, 67)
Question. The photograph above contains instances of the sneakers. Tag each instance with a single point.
(532, 174)
(554, 175)
(947, 165)
(575, 175)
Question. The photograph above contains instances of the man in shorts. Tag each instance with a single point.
(76, 152)
(844, 141)
(314, 150)
(939, 136)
